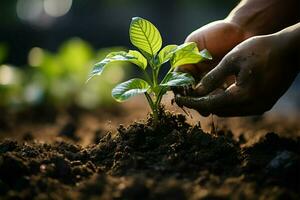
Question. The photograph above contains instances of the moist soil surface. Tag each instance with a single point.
(172, 160)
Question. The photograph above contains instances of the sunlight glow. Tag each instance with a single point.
(29, 10)
(7, 75)
(57, 8)
(33, 93)
(35, 57)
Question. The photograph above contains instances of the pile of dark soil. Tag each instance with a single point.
(172, 161)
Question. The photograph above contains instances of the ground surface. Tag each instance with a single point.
(91, 157)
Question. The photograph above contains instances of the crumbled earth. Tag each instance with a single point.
(173, 160)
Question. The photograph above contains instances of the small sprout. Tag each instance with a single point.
(145, 36)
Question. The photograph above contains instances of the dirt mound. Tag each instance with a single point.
(171, 161)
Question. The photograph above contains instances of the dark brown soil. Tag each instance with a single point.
(172, 161)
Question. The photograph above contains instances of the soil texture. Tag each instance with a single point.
(172, 160)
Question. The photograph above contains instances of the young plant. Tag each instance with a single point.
(145, 36)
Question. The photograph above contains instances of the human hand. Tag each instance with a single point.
(249, 18)
(263, 66)
(219, 38)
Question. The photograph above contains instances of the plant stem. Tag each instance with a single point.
(154, 77)
(150, 101)
(153, 108)
(160, 93)
(148, 77)
(170, 70)
(159, 98)
(157, 91)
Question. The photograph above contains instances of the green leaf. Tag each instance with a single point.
(130, 88)
(189, 46)
(141, 61)
(205, 54)
(145, 36)
(166, 53)
(134, 57)
(177, 79)
(185, 58)
(186, 54)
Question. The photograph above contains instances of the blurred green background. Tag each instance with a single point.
(25, 24)
(47, 47)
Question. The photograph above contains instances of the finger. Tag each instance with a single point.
(214, 103)
(189, 68)
(210, 36)
(234, 110)
(194, 91)
(181, 90)
(198, 70)
(193, 69)
(217, 76)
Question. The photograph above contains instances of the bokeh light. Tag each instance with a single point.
(57, 8)
(8, 75)
(33, 93)
(29, 10)
(35, 57)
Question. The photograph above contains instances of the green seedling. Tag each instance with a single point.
(145, 36)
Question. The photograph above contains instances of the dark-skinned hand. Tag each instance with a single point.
(219, 38)
(263, 66)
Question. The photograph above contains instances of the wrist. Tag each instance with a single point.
(251, 17)
(260, 17)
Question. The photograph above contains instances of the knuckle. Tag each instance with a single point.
(245, 76)
(233, 63)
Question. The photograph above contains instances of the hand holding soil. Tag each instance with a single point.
(264, 67)
(62, 139)
(249, 78)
